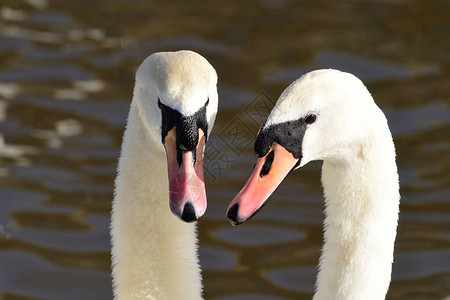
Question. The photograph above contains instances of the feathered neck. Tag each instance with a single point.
(154, 254)
(362, 199)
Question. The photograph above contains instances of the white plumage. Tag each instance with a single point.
(154, 254)
(359, 176)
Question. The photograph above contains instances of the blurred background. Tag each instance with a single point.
(66, 79)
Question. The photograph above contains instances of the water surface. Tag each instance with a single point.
(66, 78)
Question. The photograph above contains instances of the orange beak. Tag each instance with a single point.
(187, 194)
(267, 175)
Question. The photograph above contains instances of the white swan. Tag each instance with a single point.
(329, 115)
(154, 255)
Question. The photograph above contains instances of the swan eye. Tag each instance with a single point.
(310, 119)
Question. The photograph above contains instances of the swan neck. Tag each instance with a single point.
(361, 199)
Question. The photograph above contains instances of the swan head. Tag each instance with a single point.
(324, 115)
(176, 96)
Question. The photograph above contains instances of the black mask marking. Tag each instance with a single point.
(186, 127)
(288, 134)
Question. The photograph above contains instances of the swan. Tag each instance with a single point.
(174, 105)
(329, 115)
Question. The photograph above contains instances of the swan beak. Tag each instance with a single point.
(187, 194)
(268, 173)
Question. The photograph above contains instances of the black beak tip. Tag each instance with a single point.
(232, 215)
(188, 213)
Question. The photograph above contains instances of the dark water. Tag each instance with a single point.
(66, 78)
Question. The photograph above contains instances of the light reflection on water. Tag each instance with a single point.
(66, 77)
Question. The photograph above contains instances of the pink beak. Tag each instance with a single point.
(267, 175)
(187, 194)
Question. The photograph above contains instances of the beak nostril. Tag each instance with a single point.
(267, 164)
(194, 155)
(179, 156)
(188, 213)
